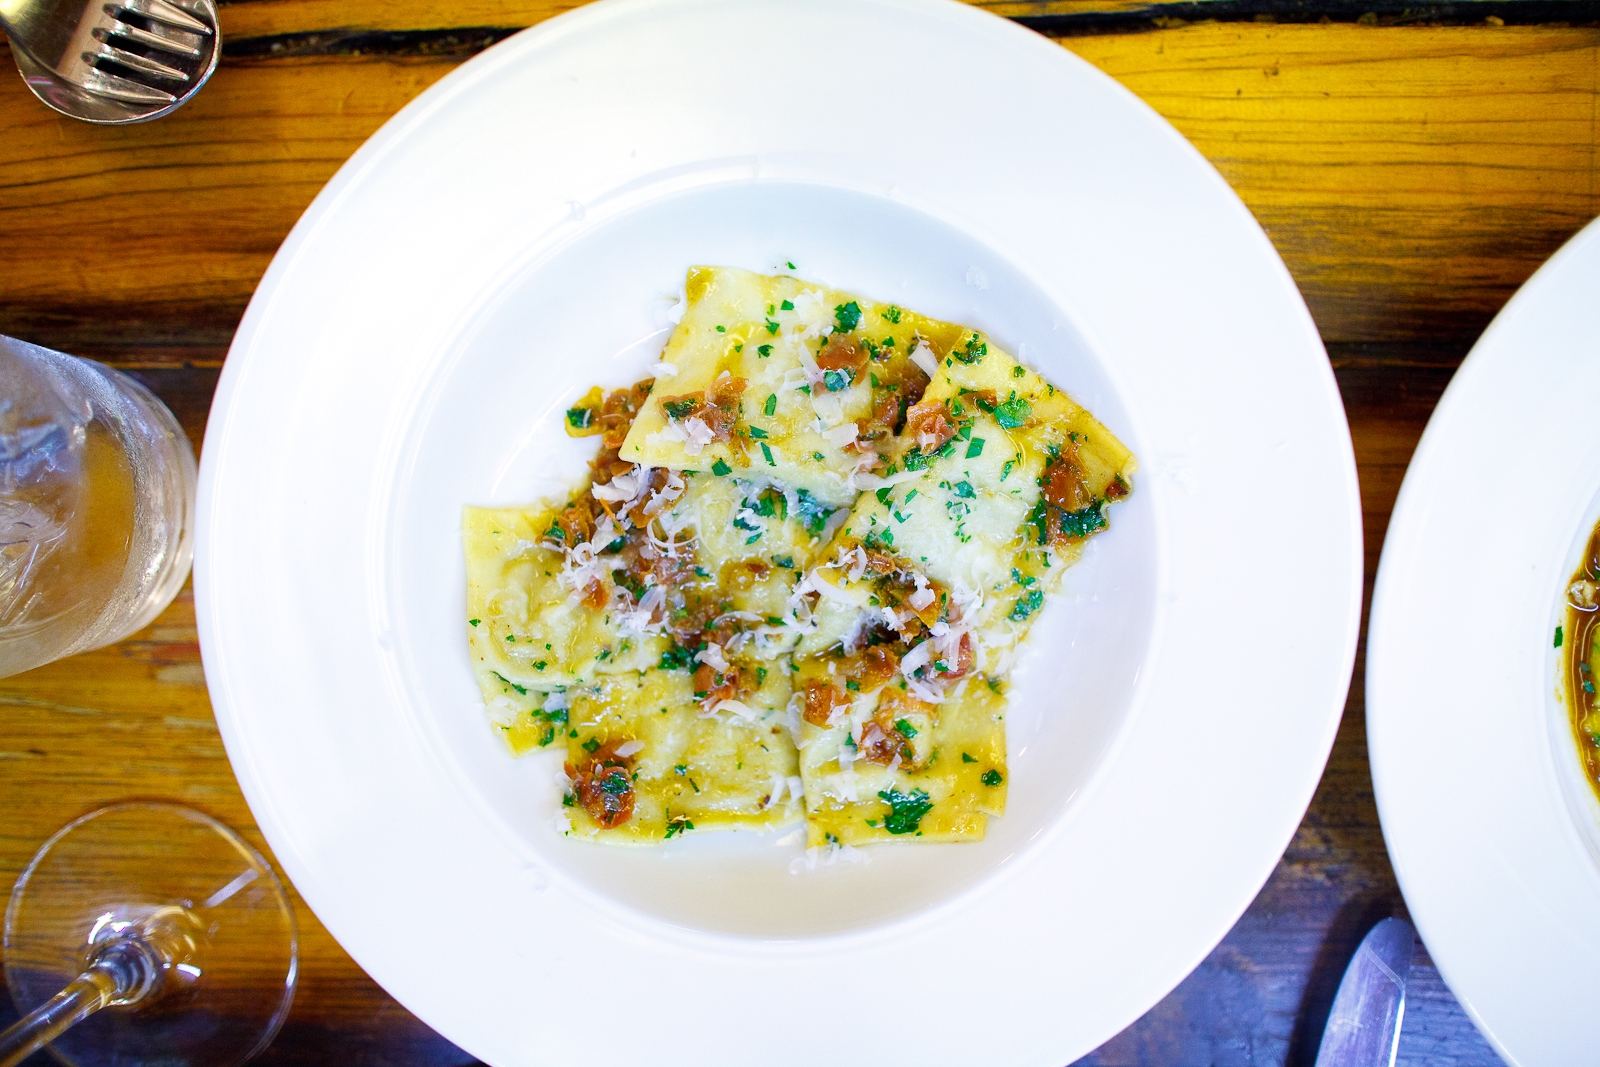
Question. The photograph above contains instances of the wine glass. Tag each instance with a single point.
(148, 933)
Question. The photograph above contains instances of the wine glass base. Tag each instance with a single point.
(221, 1003)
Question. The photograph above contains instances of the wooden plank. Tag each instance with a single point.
(1411, 177)
(243, 19)
(268, 18)
(159, 231)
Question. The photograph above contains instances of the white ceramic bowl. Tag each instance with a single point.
(516, 235)
(1495, 837)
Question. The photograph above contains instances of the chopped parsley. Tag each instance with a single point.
(974, 352)
(848, 316)
(812, 513)
(474, 622)
(1018, 371)
(891, 313)
(764, 351)
(1077, 524)
(678, 409)
(520, 689)
(1013, 413)
(1026, 605)
(772, 327)
(990, 777)
(590, 745)
(967, 759)
(964, 489)
(1005, 469)
(1085, 522)
(1558, 633)
(679, 824)
(772, 503)
(786, 306)
(907, 731)
(757, 432)
(838, 381)
(975, 448)
(580, 418)
(676, 658)
(905, 809)
(721, 469)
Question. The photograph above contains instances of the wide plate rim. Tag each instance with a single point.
(1343, 497)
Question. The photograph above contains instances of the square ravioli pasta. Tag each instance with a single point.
(806, 558)
(799, 382)
(879, 763)
(646, 763)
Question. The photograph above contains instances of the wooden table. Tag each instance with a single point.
(1413, 166)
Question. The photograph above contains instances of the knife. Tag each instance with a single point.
(1364, 1024)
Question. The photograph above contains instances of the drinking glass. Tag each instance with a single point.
(147, 933)
(97, 489)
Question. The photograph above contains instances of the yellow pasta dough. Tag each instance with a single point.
(807, 556)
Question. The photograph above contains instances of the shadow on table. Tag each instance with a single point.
(410, 1044)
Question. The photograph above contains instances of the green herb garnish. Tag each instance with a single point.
(905, 809)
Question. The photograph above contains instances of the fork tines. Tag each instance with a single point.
(172, 30)
(163, 12)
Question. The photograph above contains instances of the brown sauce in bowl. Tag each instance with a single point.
(1577, 638)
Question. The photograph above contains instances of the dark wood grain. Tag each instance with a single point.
(1412, 163)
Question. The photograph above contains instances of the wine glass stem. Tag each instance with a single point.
(83, 996)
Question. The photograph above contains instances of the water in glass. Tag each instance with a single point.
(97, 488)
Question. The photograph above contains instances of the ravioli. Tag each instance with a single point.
(643, 745)
(880, 763)
(812, 378)
(807, 557)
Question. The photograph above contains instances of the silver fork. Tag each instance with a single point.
(148, 56)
